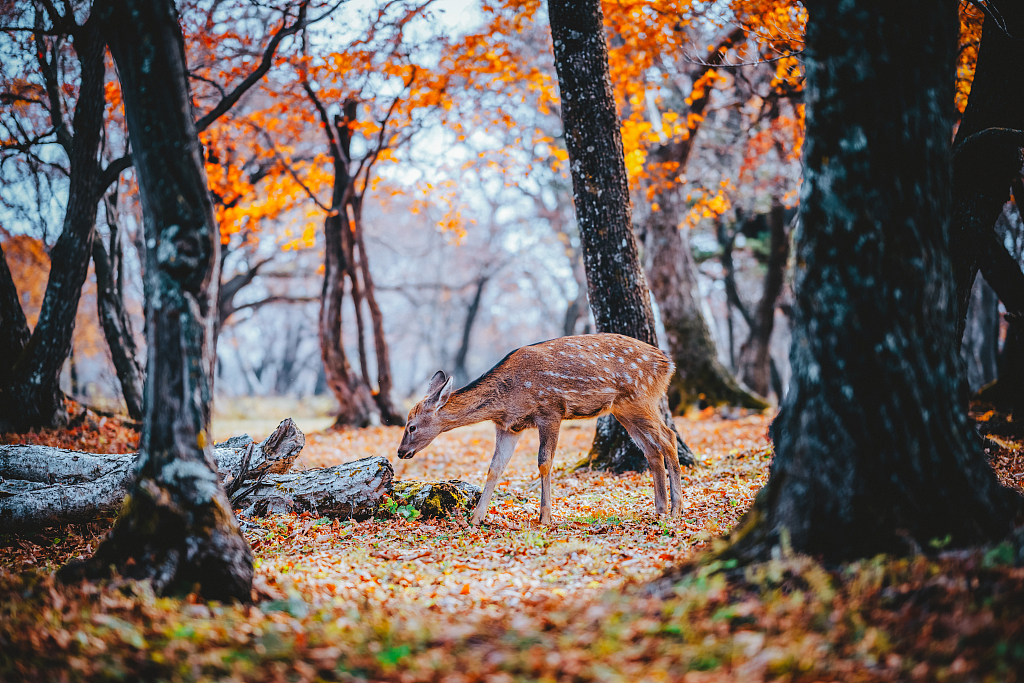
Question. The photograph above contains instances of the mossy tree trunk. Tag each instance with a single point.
(176, 528)
(618, 294)
(873, 449)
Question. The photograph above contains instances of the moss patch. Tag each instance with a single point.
(436, 500)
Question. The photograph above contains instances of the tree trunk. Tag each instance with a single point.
(355, 401)
(356, 292)
(986, 161)
(389, 415)
(33, 397)
(699, 377)
(873, 449)
(349, 491)
(460, 373)
(755, 358)
(671, 271)
(117, 330)
(618, 294)
(14, 332)
(176, 527)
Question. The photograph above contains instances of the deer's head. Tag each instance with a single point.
(424, 423)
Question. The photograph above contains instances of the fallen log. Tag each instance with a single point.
(43, 486)
(47, 465)
(349, 491)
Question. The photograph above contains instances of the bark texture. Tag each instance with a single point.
(618, 294)
(352, 490)
(44, 486)
(176, 527)
(388, 413)
(32, 395)
(873, 449)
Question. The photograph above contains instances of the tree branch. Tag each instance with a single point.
(256, 305)
(260, 71)
(49, 71)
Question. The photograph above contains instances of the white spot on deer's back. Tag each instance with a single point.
(633, 365)
(527, 384)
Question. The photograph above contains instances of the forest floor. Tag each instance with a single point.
(404, 599)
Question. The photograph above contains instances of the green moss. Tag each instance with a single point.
(436, 500)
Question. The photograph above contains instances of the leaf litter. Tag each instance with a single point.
(439, 600)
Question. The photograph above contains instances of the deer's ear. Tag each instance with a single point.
(436, 382)
(444, 394)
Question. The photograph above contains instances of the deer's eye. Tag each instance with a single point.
(412, 428)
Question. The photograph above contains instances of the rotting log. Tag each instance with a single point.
(349, 491)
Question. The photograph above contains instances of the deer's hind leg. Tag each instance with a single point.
(545, 460)
(504, 446)
(649, 435)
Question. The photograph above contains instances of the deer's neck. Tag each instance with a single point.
(468, 407)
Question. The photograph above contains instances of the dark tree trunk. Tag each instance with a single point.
(389, 415)
(176, 528)
(873, 450)
(14, 332)
(117, 329)
(755, 360)
(618, 294)
(980, 345)
(986, 161)
(460, 373)
(671, 272)
(33, 397)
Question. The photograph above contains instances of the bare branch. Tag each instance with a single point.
(260, 71)
(49, 71)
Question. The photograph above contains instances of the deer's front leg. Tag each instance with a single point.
(505, 444)
(545, 460)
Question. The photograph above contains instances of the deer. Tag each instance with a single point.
(540, 385)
